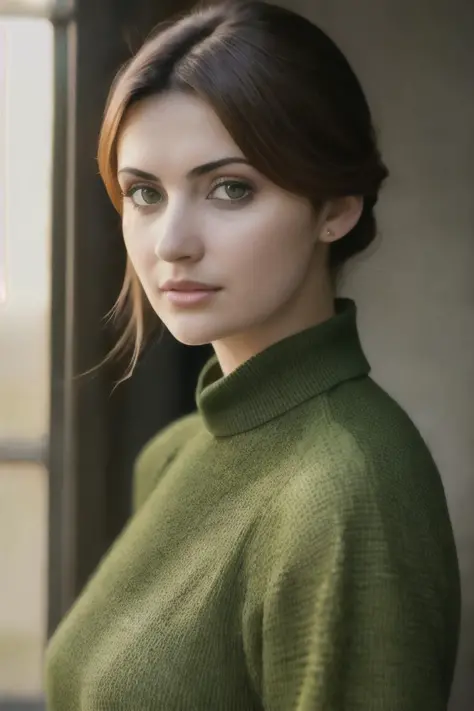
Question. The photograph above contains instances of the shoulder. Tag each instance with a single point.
(365, 476)
(371, 452)
(159, 452)
(379, 442)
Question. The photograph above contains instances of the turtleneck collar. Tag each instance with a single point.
(282, 376)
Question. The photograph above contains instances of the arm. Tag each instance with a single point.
(339, 613)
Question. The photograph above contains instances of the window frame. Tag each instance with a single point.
(53, 10)
(50, 451)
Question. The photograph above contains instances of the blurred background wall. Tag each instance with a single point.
(61, 262)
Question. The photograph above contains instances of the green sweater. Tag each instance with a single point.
(291, 550)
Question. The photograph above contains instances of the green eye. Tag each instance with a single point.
(143, 196)
(231, 190)
(235, 191)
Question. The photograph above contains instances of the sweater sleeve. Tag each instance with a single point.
(339, 614)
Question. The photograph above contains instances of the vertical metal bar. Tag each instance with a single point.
(61, 461)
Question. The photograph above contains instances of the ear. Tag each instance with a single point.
(342, 215)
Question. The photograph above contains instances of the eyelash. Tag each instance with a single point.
(130, 192)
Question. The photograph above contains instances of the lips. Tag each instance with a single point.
(190, 298)
(187, 286)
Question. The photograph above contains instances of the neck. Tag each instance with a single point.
(309, 307)
(285, 375)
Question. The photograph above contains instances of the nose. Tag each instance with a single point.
(177, 236)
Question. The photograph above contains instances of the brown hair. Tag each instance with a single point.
(287, 96)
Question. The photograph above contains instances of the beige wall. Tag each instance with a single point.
(415, 293)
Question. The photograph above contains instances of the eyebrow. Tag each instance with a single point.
(194, 173)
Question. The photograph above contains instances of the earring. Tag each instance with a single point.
(329, 233)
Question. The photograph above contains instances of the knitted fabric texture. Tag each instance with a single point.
(290, 550)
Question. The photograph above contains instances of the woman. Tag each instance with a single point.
(291, 548)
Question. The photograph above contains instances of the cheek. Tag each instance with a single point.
(137, 245)
(271, 247)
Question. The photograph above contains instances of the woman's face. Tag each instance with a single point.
(194, 209)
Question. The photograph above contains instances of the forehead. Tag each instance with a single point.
(174, 131)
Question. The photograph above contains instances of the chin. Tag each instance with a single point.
(191, 336)
(188, 340)
(197, 334)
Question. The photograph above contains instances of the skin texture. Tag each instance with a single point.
(232, 228)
